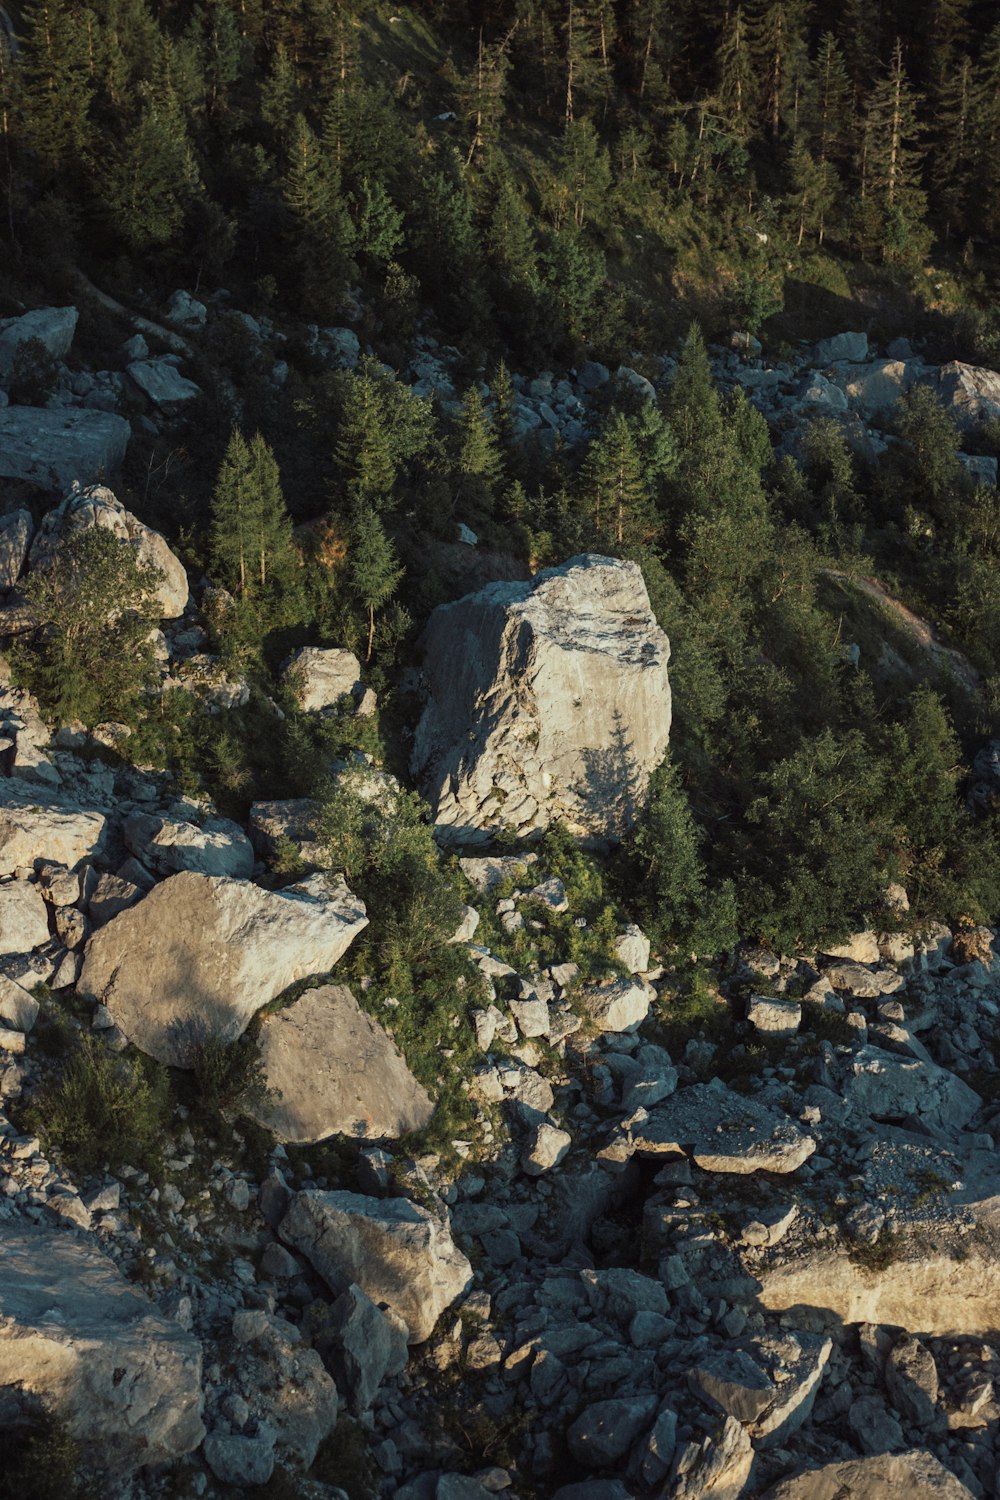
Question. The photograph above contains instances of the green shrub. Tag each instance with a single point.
(227, 1077)
(39, 1460)
(104, 1108)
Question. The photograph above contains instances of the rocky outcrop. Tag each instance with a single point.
(125, 1380)
(546, 700)
(917, 1475)
(97, 506)
(52, 327)
(333, 1070)
(201, 954)
(56, 448)
(170, 844)
(162, 382)
(16, 531)
(394, 1250)
(721, 1131)
(322, 677)
(36, 825)
(971, 394)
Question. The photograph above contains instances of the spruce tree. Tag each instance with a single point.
(478, 466)
(153, 178)
(892, 200)
(738, 79)
(614, 492)
(251, 548)
(373, 570)
(56, 81)
(320, 232)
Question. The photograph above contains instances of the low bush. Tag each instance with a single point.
(103, 1108)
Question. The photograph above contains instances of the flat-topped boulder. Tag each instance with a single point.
(916, 1475)
(124, 1380)
(333, 1070)
(395, 1251)
(40, 825)
(52, 327)
(96, 505)
(722, 1132)
(547, 700)
(55, 448)
(200, 955)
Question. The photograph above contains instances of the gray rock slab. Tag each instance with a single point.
(200, 954)
(394, 1250)
(722, 1132)
(52, 327)
(162, 382)
(334, 1070)
(125, 1380)
(54, 449)
(547, 699)
(917, 1475)
(37, 825)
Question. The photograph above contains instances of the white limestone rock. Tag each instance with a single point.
(201, 954)
(125, 1380)
(162, 382)
(170, 844)
(917, 1475)
(54, 448)
(722, 1132)
(96, 505)
(52, 327)
(547, 699)
(24, 919)
(37, 825)
(395, 1251)
(322, 677)
(334, 1070)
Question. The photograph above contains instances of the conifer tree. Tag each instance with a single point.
(478, 464)
(777, 45)
(614, 493)
(251, 546)
(153, 177)
(56, 81)
(320, 233)
(373, 570)
(986, 132)
(952, 158)
(893, 202)
(738, 81)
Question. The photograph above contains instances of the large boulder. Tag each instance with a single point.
(54, 449)
(124, 1380)
(547, 699)
(24, 920)
(321, 677)
(97, 506)
(200, 955)
(848, 347)
(395, 1251)
(171, 844)
(52, 327)
(917, 1475)
(334, 1070)
(971, 394)
(16, 531)
(161, 381)
(36, 826)
(722, 1131)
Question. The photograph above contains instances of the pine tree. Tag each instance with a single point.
(738, 81)
(775, 30)
(251, 548)
(813, 193)
(57, 82)
(952, 155)
(373, 569)
(153, 178)
(614, 494)
(279, 92)
(581, 45)
(891, 195)
(986, 132)
(320, 232)
(481, 93)
(478, 466)
(583, 175)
